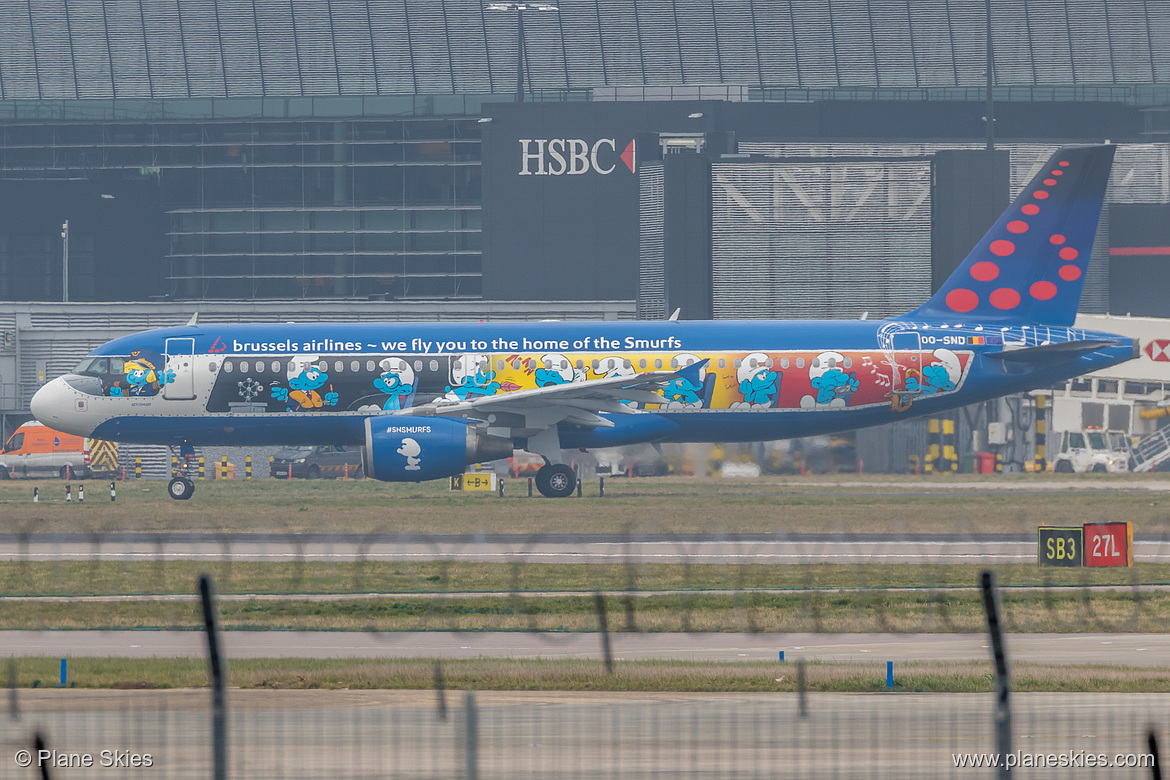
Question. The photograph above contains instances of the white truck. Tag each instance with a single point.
(1092, 450)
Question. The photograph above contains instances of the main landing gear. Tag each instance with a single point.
(556, 480)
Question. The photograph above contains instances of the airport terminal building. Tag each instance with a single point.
(825, 158)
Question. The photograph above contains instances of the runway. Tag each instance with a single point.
(1070, 649)
(558, 548)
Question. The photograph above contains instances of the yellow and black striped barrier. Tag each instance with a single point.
(247, 467)
(1041, 433)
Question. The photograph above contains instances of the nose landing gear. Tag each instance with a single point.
(180, 488)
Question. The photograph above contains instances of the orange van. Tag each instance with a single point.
(36, 451)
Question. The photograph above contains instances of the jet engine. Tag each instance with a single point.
(415, 449)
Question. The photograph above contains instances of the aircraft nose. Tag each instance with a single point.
(51, 403)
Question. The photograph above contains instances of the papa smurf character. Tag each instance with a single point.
(304, 379)
(472, 377)
(941, 376)
(833, 386)
(683, 393)
(396, 381)
(557, 370)
(758, 383)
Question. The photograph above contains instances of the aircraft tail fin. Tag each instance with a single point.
(1031, 264)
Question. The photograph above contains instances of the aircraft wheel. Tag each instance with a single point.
(556, 481)
(180, 488)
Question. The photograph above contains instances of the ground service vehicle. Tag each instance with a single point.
(1092, 450)
(35, 450)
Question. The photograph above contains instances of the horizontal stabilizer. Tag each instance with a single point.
(1060, 351)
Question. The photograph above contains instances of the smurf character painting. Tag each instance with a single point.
(833, 386)
(758, 383)
(143, 374)
(685, 393)
(397, 382)
(472, 377)
(304, 380)
(941, 376)
(410, 450)
(557, 370)
(613, 367)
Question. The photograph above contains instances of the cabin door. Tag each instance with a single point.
(180, 360)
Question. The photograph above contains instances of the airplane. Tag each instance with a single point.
(423, 401)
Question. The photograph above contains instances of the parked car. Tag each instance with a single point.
(320, 462)
(36, 451)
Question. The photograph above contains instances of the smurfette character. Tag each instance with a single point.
(684, 393)
(758, 383)
(472, 377)
(396, 381)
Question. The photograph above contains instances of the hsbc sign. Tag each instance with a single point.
(573, 156)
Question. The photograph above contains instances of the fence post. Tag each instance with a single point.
(470, 738)
(801, 687)
(138, 468)
(215, 665)
(603, 627)
(247, 467)
(1003, 684)
(113, 491)
(202, 474)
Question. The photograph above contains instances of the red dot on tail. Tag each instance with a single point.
(1017, 226)
(1068, 253)
(1064, 163)
(962, 300)
(1004, 298)
(1070, 273)
(984, 271)
(1057, 238)
(1040, 194)
(1002, 247)
(1050, 182)
(1043, 291)
(1031, 209)
(1058, 173)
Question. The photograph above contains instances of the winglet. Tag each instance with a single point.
(691, 372)
(674, 314)
(194, 320)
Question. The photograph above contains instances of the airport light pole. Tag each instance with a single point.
(65, 261)
(520, 8)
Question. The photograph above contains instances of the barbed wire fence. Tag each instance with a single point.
(358, 734)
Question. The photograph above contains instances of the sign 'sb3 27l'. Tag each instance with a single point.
(425, 400)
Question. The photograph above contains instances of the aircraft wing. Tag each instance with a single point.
(581, 403)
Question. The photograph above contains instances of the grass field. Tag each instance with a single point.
(586, 675)
(844, 504)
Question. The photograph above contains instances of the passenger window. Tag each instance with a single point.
(456, 366)
(212, 366)
(848, 362)
(244, 366)
(338, 366)
(816, 363)
(516, 364)
(596, 363)
(628, 363)
(323, 365)
(434, 365)
(768, 363)
(417, 366)
(259, 367)
(800, 362)
(500, 365)
(275, 366)
(580, 363)
(722, 363)
(658, 362)
(369, 365)
(737, 362)
(783, 362)
(227, 366)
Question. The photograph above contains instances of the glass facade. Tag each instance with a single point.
(280, 208)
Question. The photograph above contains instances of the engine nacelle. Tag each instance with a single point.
(415, 449)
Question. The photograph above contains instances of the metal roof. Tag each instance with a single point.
(69, 49)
